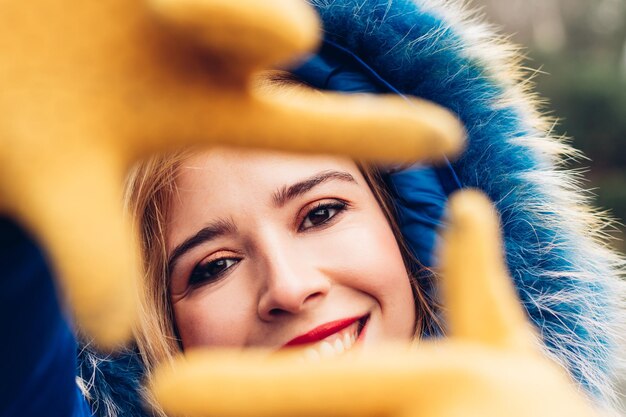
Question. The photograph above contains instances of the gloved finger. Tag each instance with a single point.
(74, 209)
(384, 128)
(209, 383)
(480, 301)
(293, 118)
(437, 380)
(246, 33)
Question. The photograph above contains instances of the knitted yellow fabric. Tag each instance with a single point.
(87, 87)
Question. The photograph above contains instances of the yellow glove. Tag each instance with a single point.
(87, 87)
(491, 365)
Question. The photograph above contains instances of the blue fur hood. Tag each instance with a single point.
(567, 279)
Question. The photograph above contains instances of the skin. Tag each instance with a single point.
(288, 263)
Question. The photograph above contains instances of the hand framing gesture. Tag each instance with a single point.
(490, 364)
(86, 88)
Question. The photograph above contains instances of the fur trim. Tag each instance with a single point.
(111, 384)
(569, 281)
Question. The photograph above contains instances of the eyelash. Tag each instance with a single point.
(197, 276)
(337, 205)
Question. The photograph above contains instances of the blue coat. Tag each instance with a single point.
(566, 278)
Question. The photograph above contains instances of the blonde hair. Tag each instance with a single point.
(150, 188)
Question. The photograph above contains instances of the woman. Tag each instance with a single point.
(266, 249)
(203, 292)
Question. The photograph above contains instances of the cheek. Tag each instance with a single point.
(385, 277)
(366, 258)
(221, 316)
(388, 281)
(370, 252)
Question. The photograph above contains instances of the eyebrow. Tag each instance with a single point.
(280, 198)
(283, 195)
(214, 230)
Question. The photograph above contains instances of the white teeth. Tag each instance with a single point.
(347, 340)
(326, 350)
(339, 345)
(312, 355)
(333, 345)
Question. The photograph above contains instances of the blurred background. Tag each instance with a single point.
(579, 47)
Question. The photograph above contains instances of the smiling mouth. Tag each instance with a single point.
(331, 339)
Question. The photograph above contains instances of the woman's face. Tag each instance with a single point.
(268, 249)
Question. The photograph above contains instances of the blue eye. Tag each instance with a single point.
(211, 271)
(322, 214)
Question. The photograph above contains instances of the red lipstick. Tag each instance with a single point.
(322, 332)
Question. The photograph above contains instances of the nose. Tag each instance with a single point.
(292, 285)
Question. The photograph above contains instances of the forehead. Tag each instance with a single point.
(230, 183)
(226, 168)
